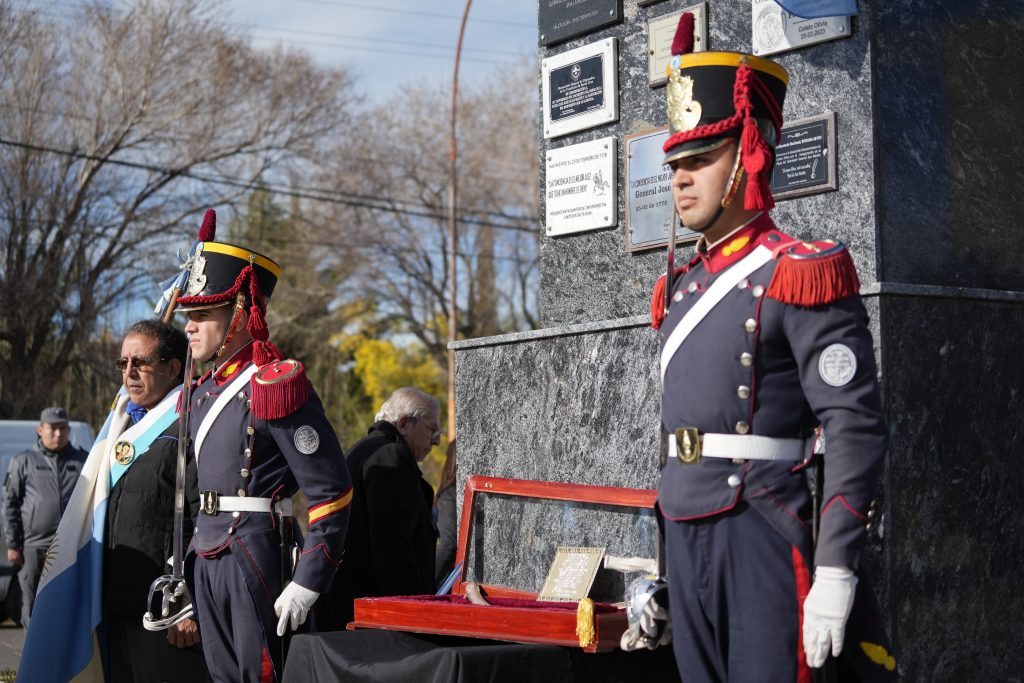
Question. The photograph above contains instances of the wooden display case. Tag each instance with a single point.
(514, 614)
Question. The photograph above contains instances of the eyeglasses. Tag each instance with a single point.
(435, 431)
(138, 362)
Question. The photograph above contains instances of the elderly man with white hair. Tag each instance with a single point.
(389, 549)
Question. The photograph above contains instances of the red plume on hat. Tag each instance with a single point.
(682, 42)
(208, 229)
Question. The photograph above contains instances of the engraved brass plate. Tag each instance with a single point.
(571, 574)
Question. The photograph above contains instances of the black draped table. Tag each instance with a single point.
(382, 656)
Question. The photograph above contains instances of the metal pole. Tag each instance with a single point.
(452, 231)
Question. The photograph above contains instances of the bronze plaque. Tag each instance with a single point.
(571, 575)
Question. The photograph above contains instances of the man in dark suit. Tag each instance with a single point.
(389, 549)
(140, 511)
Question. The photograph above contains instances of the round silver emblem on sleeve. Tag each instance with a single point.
(837, 365)
(306, 440)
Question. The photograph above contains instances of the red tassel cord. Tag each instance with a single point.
(757, 156)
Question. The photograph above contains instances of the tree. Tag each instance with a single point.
(111, 145)
(379, 367)
(305, 314)
(400, 159)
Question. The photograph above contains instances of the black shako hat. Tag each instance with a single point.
(717, 96)
(216, 273)
(705, 93)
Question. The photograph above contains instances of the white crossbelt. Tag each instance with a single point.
(250, 504)
(747, 447)
(711, 298)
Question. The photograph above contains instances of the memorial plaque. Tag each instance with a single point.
(580, 88)
(806, 157)
(776, 30)
(559, 20)
(648, 185)
(660, 33)
(571, 575)
(580, 184)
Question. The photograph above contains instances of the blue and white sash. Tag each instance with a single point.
(141, 435)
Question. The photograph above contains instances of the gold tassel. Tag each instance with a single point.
(585, 622)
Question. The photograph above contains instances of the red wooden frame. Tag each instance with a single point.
(546, 490)
(523, 624)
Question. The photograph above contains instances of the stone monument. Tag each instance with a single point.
(927, 98)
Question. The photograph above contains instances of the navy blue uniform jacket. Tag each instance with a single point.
(244, 455)
(753, 366)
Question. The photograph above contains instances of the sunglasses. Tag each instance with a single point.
(138, 362)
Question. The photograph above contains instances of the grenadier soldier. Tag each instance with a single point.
(259, 433)
(764, 339)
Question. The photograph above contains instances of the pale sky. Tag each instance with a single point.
(390, 43)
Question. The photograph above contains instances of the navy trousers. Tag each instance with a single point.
(736, 587)
(234, 594)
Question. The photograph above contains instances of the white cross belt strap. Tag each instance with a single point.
(221, 401)
(748, 447)
(211, 503)
(709, 299)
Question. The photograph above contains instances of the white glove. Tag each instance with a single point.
(826, 610)
(293, 603)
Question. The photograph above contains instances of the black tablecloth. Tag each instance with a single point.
(380, 656)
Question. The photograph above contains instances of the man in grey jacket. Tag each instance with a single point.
(37, 489)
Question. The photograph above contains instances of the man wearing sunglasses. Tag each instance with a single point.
(36, 491)
(140, 512)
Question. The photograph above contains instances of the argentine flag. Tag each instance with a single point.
(812, 9)
(61, 644)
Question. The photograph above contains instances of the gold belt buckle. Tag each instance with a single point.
(688, 445)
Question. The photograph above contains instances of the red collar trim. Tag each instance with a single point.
(232, 366)
(738, 245)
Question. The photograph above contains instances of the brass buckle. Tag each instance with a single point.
(209, 502)
(688, 445)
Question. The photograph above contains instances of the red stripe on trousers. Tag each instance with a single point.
(803, 585)
(267, 668)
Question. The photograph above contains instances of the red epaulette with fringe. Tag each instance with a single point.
(813, 273)
(658, 299)
(279, 388)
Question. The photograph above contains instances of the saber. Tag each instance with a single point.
(670, 271)
(169, 600)
(288, 561)
(177, 556)
(171, 592)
